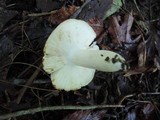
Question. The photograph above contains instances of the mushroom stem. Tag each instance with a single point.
(101, 60)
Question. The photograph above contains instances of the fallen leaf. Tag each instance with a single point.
(86, 115)
(141, 51)
(6, 49)
(97, 25)
(121, 33)
(144, 26)
(136, 71)
(148, 111)
(5, 16)
(116, 5)
(95, 9)
(47, 5)
(150, 49)
(157, 62)
(131, 115)
(62, 14)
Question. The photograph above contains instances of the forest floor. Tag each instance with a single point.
(26, 91)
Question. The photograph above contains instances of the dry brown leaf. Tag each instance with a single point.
(148, 110)
(104, 47)
(135, 71)
(121, 33)
(139, 70)
(141, 51)
(62, 14)
(101, 33)
(157, 62)
(97, 25)
(86, 115)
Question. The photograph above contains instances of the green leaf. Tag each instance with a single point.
(117, 4)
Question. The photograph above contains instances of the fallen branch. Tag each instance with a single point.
(52, 108)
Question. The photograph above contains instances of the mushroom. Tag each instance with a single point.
(71, 59)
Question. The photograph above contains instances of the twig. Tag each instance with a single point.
(18, 81)
(41, 14)
(36, 88)
(125, 97)
(138, 9)
(28, 83)
(52, 108)
(54, 11)
(29, 67)
(155, 93)
(13, 26)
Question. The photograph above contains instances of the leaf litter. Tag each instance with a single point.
(131, 30)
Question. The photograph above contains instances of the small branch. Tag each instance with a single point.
(52, 108)
(28, 83)
(138, 9)
(125, 97)
(29, 87)
(149, 93)
(41, 14)
(17, 81)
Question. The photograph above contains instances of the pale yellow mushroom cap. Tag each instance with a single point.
(68, 37)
